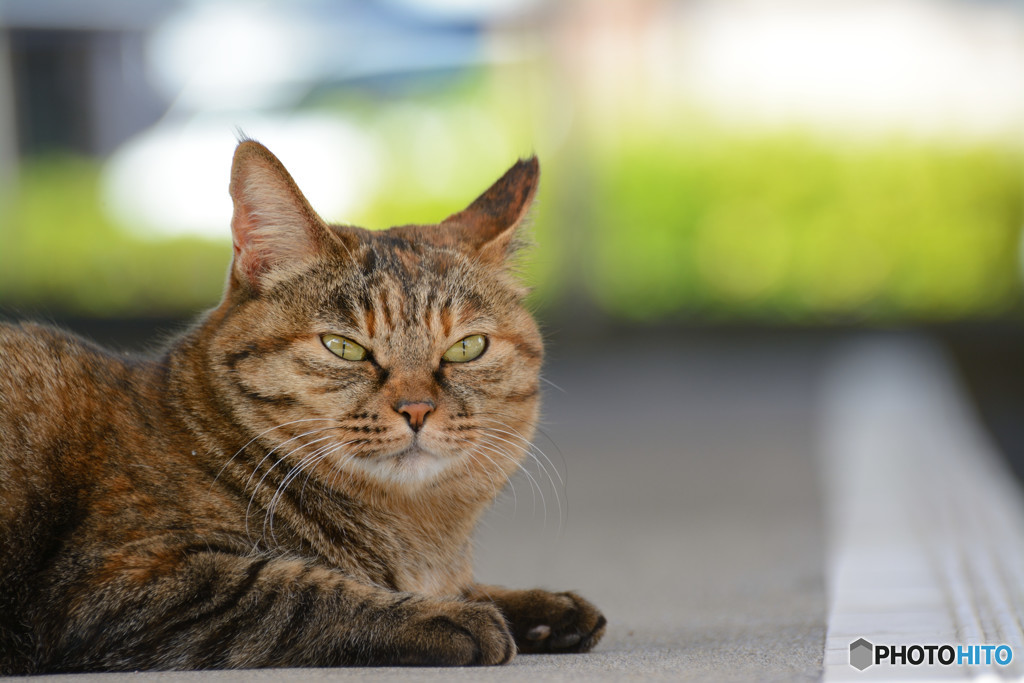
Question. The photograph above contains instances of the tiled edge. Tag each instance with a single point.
(926, 524)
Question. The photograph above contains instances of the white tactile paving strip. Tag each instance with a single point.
(926, 522)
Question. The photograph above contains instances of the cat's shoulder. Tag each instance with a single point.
(27, 332)
(32, 338)
(30, 350)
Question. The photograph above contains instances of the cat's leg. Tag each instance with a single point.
(545, 622)
(197, 609)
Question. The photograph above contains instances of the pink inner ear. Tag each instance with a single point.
(248, 258)
(273, 225)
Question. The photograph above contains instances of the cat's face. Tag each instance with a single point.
(402, 357)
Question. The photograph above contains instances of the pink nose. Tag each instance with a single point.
(415, 412)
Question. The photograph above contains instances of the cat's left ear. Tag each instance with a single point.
(490, 227)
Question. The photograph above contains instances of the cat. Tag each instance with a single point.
(295, 480)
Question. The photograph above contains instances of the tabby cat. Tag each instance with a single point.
(294, 481)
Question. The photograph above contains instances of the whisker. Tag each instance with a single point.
(527, 450)
(494, 448)
(281, 445)
(256, 489)
(307, 461)
(304, 461)
(563, 513)
(540, 429)
(531, 450)
(547, 381)
(530, 445)
(494, 485)
(339, 470)
(262, 434)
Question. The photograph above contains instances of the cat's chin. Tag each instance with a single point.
(410, 466)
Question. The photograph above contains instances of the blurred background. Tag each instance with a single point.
(783, 163)
(727, 166)
(731, 190)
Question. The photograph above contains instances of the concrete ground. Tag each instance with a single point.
(688, 510)
(693, 514)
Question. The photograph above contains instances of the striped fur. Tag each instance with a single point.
(249, 499)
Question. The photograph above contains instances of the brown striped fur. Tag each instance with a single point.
(249, 499)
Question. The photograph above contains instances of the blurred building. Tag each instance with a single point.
(77, 77)
(86, 76)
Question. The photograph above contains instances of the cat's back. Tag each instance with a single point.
(49, 379)
(62, 402)
(41, 355)
(41, 371)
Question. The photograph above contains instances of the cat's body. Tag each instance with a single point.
(258, 497)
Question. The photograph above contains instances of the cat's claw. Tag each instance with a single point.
(539, 632)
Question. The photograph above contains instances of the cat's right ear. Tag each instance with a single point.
(274, 229)
(490, 227)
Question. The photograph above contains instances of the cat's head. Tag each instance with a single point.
(400, 358)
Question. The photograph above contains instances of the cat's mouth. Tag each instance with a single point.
(413, 464)
(411, 455)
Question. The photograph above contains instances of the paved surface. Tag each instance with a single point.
(926, 521)
(689, 513)
(693, 516)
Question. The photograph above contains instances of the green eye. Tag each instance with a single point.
(343, 348)
(469, 348)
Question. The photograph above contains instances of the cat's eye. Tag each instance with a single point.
(466, 349)
(343, 348)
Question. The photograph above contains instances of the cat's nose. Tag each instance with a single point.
(415, 412)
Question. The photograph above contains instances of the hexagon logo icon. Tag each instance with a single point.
(861, 654)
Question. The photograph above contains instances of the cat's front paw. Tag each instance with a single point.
(455, 634)
(546, 622)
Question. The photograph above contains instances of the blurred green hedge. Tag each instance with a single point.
(59, 252)
(790, 227)
(707, 225)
